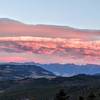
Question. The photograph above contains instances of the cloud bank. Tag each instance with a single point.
(51, 50)
(21, 42)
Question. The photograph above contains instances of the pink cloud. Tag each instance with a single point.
(48, 44)
(19, 29)
(12, 59)
(50, 50)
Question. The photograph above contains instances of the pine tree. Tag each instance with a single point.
(81, 98)
(61, 95)
(91, 96)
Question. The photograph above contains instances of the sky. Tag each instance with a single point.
(48, 43)
(75, 13)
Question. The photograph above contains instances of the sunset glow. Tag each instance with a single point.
(50, 50)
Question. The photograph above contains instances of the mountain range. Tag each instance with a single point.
(35, 70)
(68, 70)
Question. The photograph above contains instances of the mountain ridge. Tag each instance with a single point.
(21, 71)
(72, 69)
(66, 70)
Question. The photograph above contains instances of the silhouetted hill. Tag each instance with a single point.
(43, 88)
(20, 71)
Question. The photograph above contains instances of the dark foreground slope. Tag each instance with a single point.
(46, 89)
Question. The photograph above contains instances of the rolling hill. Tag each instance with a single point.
(20, 71)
